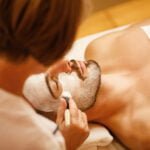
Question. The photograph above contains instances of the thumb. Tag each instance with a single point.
(61, 111)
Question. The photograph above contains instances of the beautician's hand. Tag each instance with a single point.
(78, 130)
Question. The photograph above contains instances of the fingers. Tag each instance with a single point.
(60, 112)
(73, 109)
(80, 119)
(77, 116)
(85, 122)
(78, 130)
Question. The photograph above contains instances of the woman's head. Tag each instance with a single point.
(42, 29)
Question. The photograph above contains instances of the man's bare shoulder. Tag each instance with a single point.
(104, 42)
(130, 47)
(101, 45)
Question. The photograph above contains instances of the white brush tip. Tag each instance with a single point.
(66, 94)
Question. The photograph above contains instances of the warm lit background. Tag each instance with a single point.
(109, 14)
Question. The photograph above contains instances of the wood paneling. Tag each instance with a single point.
(115, 15)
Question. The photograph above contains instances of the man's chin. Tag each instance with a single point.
(93, 62)
(90, 86)
(84, 92)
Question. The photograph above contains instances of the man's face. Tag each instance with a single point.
(82, 82)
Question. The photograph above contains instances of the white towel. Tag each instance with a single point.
(146, 29)
(99, 136)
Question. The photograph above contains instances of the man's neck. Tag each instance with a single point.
(109, 102)
(12, 76)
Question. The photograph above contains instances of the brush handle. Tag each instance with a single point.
(67, 117)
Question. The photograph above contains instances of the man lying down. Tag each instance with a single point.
(118, 96)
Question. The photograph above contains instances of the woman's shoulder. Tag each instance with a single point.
(23, 127)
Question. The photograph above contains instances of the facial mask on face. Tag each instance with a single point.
(37, 93)
(83, 91)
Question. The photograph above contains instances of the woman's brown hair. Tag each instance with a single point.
(43, 29)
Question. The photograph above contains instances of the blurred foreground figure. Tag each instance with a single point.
(35, 34)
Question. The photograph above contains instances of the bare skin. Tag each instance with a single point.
(123, 103)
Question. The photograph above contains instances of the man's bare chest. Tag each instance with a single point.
(132, 125)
